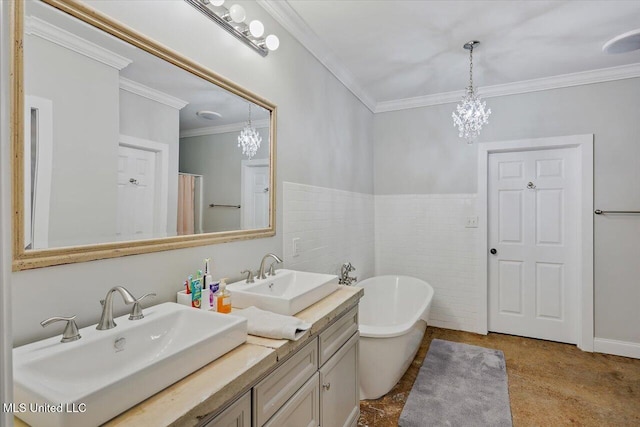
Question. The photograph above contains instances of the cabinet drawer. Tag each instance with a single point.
(337, 334)
(236, 415)
(273, 391)
(302, 410)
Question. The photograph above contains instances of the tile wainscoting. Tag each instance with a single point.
(426, 236)
(334, 226)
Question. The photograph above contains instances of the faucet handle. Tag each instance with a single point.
(136, 312)
(272, 268)
(249, 274)
(70, 332)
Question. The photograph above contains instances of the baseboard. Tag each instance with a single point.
(456, 326)
(619, 348)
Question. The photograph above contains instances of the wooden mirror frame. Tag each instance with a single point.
(36, 258)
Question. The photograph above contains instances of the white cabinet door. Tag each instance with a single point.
(339, 392)
(533, 234)
(302, 410)
(236, 415)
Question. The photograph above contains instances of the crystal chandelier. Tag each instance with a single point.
(249, 138)
(471, 113)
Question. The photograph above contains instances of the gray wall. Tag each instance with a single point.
(147, 119)
(219, 160)
(324, 139)
(84, 140)
(418, 151)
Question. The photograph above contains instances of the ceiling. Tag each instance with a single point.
(386, 51)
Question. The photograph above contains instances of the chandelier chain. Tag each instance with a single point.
(471, 67)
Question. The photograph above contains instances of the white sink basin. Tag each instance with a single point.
(109, 374)
(288, 292)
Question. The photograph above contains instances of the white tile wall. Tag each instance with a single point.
(425, 236)
(334, 226)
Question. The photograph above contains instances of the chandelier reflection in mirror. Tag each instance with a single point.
(471, 113)
(249, 139)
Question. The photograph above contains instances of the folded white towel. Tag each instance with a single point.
(271, 325)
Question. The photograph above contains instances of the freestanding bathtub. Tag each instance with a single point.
(393, 317)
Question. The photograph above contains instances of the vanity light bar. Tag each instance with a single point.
(224, 17)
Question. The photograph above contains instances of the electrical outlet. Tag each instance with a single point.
(472, 222)
(295, 243)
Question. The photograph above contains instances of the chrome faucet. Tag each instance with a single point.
(106, 319)
(261, 274)
(345, 279)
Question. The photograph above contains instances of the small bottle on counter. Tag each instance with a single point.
(223, 298)
(214, 287)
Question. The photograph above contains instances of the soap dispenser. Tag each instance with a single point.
(223, 298)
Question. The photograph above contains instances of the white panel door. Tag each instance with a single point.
(533, 231)
(255, 203)
(136, 192)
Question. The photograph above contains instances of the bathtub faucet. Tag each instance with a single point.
(345, 279)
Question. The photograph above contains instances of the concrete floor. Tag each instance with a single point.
(550, 384)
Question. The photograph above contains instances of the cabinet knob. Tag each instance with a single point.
(326, 386)
(493, 251)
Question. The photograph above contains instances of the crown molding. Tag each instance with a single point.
(525, 86)
(231, 127)
(152, 94)
(282, 12)
(40, 28)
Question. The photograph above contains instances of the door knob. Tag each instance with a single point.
(493, 251)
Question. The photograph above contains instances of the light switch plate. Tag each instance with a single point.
(472, 222)
(295, 243)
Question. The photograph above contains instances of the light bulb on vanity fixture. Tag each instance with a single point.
(272, 42)
(233, 19)
(237, 14)
(256, 28)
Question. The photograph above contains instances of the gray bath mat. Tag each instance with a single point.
(459, 385)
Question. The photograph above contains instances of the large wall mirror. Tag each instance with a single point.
(121, 146)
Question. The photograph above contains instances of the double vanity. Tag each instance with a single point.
(195, 367)
(167, 364)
